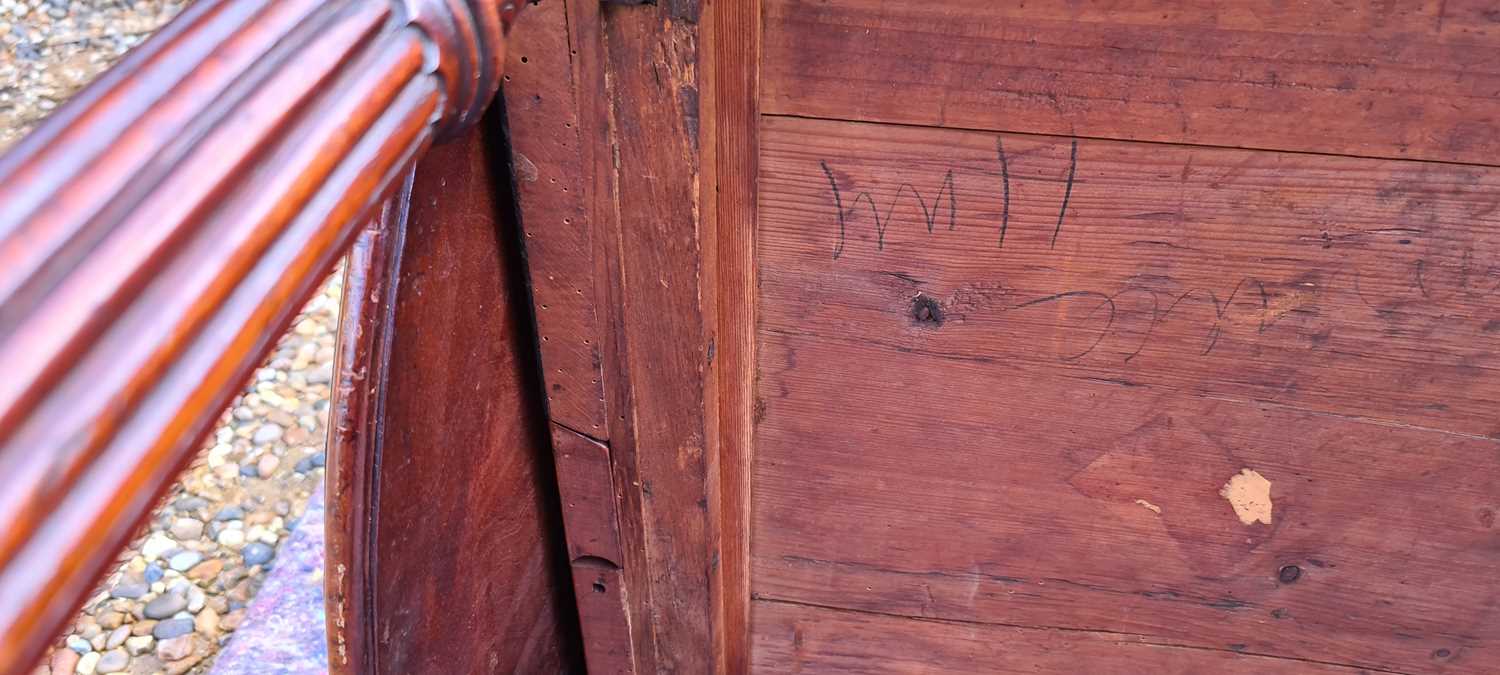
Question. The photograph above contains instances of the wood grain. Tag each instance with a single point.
(561, 153)
(480, 557)
(162, 228)
(661, 447)
(1037, 434)
(1412, 79)
(552, 118)
(1351, 287)
(811, 640)
(362, 363)
(634, 128)
(729, 135)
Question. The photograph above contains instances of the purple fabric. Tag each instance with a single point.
(283, 630)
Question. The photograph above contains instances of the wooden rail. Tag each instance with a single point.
(161, 229)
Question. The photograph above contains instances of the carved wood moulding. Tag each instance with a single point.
(162, 228)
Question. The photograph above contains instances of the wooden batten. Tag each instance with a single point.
(633, 178)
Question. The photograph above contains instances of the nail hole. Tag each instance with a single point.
(1289, 574)
(598, 587)
(524, 60)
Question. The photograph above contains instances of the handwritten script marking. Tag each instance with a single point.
(1067, 192)
(929, 213)
(838, 204)
(1005, 189)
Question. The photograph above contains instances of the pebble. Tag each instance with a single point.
(310, 462)
(63, 661)
(207, 622)
(183, 665)
(176, 648)
(206, 571)
(164, 606)
(231, 512)
(262, 534)
(87, 664)
(117, 637)
(269, 432)
(143, 627)
(153, 574)
(114, 661)
(139, 644)
(147, 664)
(196, 599)
(79, 644)
(167, 630)
(187, 529)
(131, 589)
(232, 538)
(109, 619)
(185, 560)
(231, 621)
(257, 553)
(190, 505)
(156, 545)
(266, 466)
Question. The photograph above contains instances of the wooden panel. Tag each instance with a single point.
(809, 640)
(1415, 78)
(468, 572)
(1038, 433)
(550, 154)
(1352, 287)
(634, 128)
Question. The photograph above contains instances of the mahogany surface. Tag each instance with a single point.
(161, 229)
(441, 469)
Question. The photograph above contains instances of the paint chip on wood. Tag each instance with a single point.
(1250, 495)
(1154, 508)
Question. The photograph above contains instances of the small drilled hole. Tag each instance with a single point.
(1289, 574)
(524, 60)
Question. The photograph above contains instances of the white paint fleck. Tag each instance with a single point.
(1250, 495)
(1154, 508)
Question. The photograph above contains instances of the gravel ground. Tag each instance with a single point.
(181, 588)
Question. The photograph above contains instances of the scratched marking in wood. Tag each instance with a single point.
(1036, 431)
